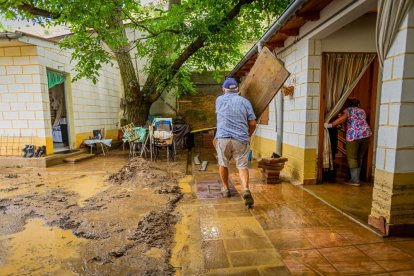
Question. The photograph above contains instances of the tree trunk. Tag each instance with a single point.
(137, 106)
(135, 102)
(138, 112)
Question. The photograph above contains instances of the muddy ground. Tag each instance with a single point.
(123, 225)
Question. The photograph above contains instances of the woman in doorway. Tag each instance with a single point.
(357, 137)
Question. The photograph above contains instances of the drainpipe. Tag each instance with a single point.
(279, 122)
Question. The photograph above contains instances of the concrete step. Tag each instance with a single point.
(78, 157)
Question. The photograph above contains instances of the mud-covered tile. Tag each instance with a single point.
(255, 258)
(214, 254)
(320, 238)
(234, 272)
(240, 227)
(274, 270)
(403, 273)
(247, 244)
(288, 239)
(210, 229)
(358, 235)
(349, 259)
(384, 251)
(406, 246)
(306, 262)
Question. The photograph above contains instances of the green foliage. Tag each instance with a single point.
(163, 35)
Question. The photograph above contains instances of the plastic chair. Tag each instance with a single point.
(141, 142)
(161, 132)
(129, 135)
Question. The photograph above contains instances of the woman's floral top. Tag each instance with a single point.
(357, 126)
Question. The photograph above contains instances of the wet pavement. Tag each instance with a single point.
(288, 232)
(353, 201)
(69, 219)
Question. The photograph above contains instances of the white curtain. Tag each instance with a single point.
(344, 70)
(391, 13)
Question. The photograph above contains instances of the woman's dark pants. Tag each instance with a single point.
(355, 151)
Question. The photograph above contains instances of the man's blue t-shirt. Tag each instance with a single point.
(233, 112)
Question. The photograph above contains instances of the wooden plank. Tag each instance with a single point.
(263, 81)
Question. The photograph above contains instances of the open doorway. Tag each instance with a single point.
(354, 201)
(366, 92)
(58, 111)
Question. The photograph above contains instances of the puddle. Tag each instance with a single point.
(39, 250)
(86, 186)
(184, 184)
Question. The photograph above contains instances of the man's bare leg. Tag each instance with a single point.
(244, 177)
(247, 196)
(224, 175)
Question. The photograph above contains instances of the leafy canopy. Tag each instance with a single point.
(163, 34)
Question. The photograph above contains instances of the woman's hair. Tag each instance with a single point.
(353, 102)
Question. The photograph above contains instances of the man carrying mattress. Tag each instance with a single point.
(236, 122)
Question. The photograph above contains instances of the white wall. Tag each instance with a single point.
(358, 36)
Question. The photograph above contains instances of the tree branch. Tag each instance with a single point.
(36, 11)
(197, 44)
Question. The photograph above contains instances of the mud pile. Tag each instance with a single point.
(123, 225)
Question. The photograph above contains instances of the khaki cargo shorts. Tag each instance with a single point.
(228, 148)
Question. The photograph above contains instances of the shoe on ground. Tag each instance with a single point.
(225, 192)
(31, 151)
(25, 150)
(248, 199)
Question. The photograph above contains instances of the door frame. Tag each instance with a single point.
(68, 106)
(373, 113)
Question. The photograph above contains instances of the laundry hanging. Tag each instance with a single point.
(54, 78)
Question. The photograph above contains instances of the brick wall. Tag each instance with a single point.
(199, 110)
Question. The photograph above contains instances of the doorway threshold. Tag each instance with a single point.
(340, 199)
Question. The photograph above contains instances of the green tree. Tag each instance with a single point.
(178, 37)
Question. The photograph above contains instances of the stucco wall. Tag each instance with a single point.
(357, 36)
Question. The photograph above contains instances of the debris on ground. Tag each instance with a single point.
(133, 215)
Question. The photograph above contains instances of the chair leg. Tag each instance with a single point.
(103, 150)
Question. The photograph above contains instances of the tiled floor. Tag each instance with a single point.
(288, 232)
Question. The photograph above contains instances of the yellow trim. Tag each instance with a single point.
(12, 146)
(301, 164)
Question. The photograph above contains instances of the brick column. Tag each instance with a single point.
(393, 196)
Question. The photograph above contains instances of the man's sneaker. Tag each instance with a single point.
(248, 199)
(225, 192)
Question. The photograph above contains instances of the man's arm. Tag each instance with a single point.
(252, 126)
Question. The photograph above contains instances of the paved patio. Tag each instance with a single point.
(288, 232)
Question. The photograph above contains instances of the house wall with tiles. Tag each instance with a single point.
(300, 113)
(25, 109)
(303, 59)
(22, 119)
(394, 175)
